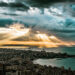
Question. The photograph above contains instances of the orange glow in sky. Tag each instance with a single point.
(17, 34)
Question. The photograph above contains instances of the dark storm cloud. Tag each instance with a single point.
(44, 2)
(69, 22)
(4, 22)
(27, 3)
(54, 0)
(15, 5)
(55, 19)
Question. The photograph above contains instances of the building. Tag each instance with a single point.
(2, 69)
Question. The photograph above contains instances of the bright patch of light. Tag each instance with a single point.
(55, 10)
(8, 1)
(30, 39)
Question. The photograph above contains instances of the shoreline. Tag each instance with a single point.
(33, 54)
(15, 61)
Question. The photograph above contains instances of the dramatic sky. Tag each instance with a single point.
(54, 17)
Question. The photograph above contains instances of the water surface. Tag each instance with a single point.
(67, 62)
(68, 50)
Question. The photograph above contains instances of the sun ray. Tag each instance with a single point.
(42, 40)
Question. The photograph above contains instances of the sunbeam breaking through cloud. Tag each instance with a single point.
(10, 36)
(34, 25)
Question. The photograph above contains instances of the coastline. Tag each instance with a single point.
(15, 61)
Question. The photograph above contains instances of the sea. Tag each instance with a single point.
(59, 62)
